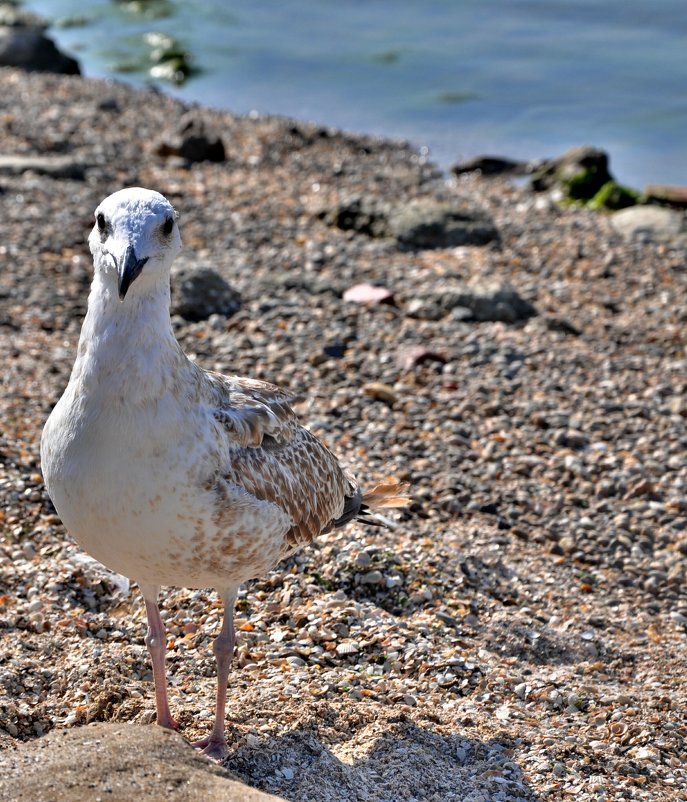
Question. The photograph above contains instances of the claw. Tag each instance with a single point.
(168, 723)
(214, 748)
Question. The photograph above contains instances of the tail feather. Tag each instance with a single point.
(360, 507)
(387, 495)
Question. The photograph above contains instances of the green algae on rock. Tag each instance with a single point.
(614, 196)
(580, 173)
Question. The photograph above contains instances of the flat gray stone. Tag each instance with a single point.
(117, 763)
(428, 223)
(668, 194)
(485, 302)
(53, 166)
(651, 224)
(425, 308)
(419, 224)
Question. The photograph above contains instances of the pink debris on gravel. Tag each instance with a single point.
(408, 358)
(368, 294)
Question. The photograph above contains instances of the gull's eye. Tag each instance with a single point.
(100, 220)
(167, 226)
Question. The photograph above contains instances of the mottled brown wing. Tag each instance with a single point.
(301, 476)
(275, 459)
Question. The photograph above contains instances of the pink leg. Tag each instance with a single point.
(215, 745)
(156, 642)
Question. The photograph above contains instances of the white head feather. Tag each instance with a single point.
(135, 240)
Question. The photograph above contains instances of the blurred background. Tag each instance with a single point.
(518, 78)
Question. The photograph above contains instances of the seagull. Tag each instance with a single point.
(173, 475)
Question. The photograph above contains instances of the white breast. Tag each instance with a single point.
(133, 488)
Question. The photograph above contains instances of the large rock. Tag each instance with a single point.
(481, 302)
(428, 223)
(418, 224)
(23, 44)
(492, 166)
(363, 214)
(192, 141)
(652, 224)
(117, 763)
(667, 194)
(198, 292)
(579, 173)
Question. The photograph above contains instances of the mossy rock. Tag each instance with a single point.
(580, 173)
(614, 196)
(583, 178)
(584, 184)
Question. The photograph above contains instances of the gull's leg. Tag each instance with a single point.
(156, 642)
(215, 745)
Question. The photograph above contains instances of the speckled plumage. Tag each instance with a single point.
(165, 472)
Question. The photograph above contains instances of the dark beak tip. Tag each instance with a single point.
(128, 271)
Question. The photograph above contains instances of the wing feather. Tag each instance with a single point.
(250, 410)
(274, 458)
(302, 477)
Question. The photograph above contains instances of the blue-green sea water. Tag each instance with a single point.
(520, 78)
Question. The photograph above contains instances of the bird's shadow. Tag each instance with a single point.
(381, 756)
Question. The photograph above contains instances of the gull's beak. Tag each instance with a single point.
(128, 269)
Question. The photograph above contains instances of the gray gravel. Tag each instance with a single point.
(521, 633)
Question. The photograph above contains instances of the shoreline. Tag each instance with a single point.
(630, 161)
(522, 634)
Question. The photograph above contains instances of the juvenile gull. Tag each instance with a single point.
(170, 474)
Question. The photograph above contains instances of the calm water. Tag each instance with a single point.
(522, 78)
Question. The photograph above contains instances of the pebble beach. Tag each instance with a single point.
(520, 631)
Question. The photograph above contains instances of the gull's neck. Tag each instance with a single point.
(128, 346)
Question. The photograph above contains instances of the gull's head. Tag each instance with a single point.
(135, 238)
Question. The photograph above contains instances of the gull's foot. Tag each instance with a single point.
(168, 722)
(213, 747)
